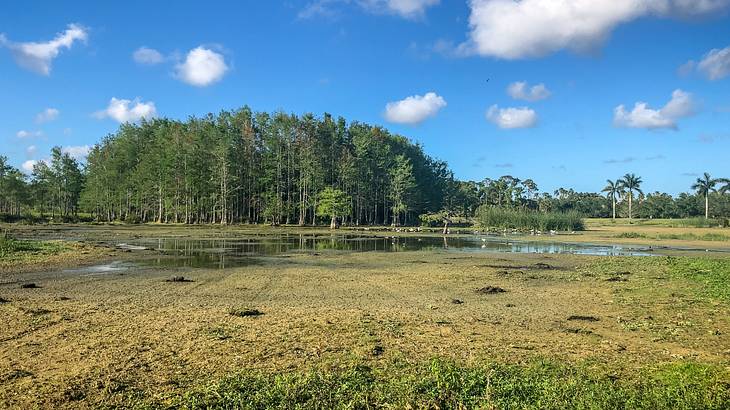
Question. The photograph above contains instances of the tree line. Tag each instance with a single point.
(247, 167)
(277, 168)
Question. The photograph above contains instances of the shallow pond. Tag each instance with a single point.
(230, 252)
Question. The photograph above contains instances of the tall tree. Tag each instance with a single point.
(333, 203)
(631, 183)
(401, 185)
(704, 186)
(613, 189)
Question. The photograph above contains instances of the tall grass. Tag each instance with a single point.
(503, 218)
(702, 222)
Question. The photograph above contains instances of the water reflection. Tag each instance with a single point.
(229, 252)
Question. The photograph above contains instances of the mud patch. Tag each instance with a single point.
(583, 318)
(3, 300)
(29, 286)
(578, 331)
(490, 290)
(37, 312)
(15, 374)
(245, 312)
(178, 279)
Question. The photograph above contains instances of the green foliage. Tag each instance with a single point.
(11, 249)
(333, 203)
(242, 166)
(503, 218)
(448, 385)
(714, 274)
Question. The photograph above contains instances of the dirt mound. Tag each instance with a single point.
(245, 312)
(490, 290)
(583, 318)
(179, 279)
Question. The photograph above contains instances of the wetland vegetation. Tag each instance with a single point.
(352, 325)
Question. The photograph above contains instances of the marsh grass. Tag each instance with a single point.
(447, 385)
(712, 274)
(689, 236)
(12, 248)
(503, 218)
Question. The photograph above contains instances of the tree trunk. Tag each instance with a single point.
(707, 206)
(333, 223)
(614, 207)
(631, 196)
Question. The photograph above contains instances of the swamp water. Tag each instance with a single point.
(243, 251)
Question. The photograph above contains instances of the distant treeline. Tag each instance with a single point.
(254, 167)
(246, 167)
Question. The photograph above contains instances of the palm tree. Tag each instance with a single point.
(612, 190)
(630, 183)
(704, 186)
(725, 188)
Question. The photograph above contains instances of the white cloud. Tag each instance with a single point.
(410, 9)
(148, 56)
(28, 134)
(319, 8)
(415, 109)
(512, 118)
(128, 111)
(522, 91)
(28, 165)
(715, 65)
(681, 105)
(202, 67)
(30, 151)
(38, 56)
(512, 29)
(78, 152)
(49, 114)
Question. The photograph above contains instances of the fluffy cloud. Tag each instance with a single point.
(28, 134)
(415, 109)
(405, 8)
(410, 9)
(512, 118)
(128, 111)
(30, 151)
(681, 105)
(38, 56)
(546, 26)
(28, 165)
(522, 91)
(49, 114)
(202, 67)
(147, 56)
(715, 65)
(78, 152)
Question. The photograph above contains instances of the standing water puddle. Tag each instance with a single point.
(242, 251)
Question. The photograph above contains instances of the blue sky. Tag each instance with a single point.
(354, 57)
